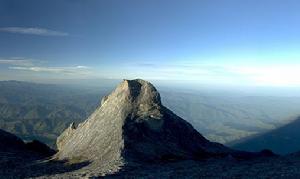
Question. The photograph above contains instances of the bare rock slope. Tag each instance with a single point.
(132, 126)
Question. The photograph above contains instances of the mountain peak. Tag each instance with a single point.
(140, 90)
(141, 99)
(132, 125)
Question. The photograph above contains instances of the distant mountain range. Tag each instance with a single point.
(226, 117)
(43, 111)
(131, 134)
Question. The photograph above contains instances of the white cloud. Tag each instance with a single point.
(33, 31)
(82, 67)
(229, 73)
(80, 70)
(275, 75)
(31, 65)
(17, 61)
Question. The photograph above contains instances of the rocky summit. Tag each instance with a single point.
(132, 126)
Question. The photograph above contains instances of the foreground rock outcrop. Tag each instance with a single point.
(9, 143)
(132, 126)
(15, 154)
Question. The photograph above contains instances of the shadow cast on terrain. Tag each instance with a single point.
(54, 167)
(282, 140)
(38, 168)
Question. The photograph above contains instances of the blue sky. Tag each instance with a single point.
(249, 42)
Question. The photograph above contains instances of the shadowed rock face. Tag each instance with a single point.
(9, 142)
(132, 125)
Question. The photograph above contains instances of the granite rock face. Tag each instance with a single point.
(131, 125)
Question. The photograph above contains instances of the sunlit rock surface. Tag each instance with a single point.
(132, 126)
